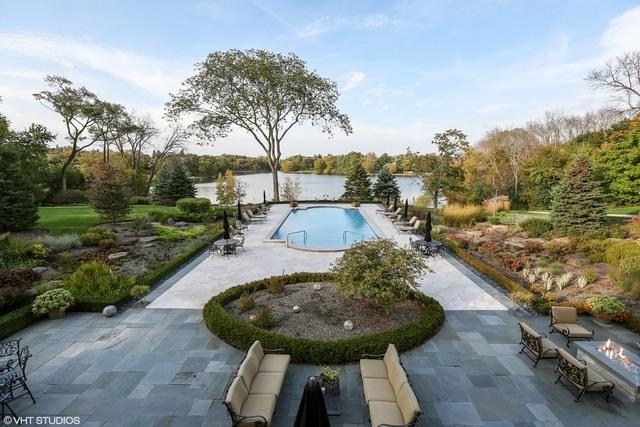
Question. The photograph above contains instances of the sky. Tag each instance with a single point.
(405, 69)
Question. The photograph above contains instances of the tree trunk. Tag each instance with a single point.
(64, 174)
(276, 185)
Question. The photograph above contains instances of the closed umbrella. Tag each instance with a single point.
(406, 208)
(427, 234)
(312, 411)
(239, 211)
(395, 203)
(387, 205)
(225, 225)
(264, 197)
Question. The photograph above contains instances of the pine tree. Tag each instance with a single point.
(172, 184)
(385, 184)
(578, 204)
(357, 186)
(109, 194)
(18, 208)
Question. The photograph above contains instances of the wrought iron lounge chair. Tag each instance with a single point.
(583, 378)
(536, 346)
(565, 321)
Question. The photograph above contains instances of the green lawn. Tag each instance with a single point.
(78, 218)
(625, 210)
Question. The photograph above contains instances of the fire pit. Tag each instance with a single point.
(614, 362)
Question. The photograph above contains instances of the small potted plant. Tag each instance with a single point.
(293, 204)
(329, 378)
(355, 203)
(54, 303)
(605, 309)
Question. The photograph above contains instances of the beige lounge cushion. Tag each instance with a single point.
(267, 383)
(564, 314)
(594, 377)
(572, 330)
(258, 404)
(247, 371)
(256, 351)
(391, 355)
(373, 368)
(408, 403)
(397, 376)
(236, 395)
(379, 389)
(549, 348)
(274, 363)
(385, 413)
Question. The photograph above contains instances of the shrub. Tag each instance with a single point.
(536, 227)
(379, 270)
(94, 235)
(497, 204)
(241, 334)
(139, 200)
(69, 197)
(109, 194)
(489, 248)
(15, 288)
(634, 225)
(14, 253)
(95, 279)
(61, 243)
(106, 244)
(620, 280)
(193, 205)
(39, 251)
(53, 300)
(593, 248)
(246, 302)
(264, 318)
(276, 286)
(630, 265)
(172, 184)
(173, 233)
(513, 263)
(460, 216)
(590, 275)
(16, 320)
(141, 224)
(619, 251)
(558, 249)
(43, 287)
(556, 268)
(158, 215)
(606, 306)
(531, 246)
(138, 291)
(523, 298)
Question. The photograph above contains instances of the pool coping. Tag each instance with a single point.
(372, 224)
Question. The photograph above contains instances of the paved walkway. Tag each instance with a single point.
(162, 367)
(209, 275)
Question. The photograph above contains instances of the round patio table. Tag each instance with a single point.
(226, 245)
(424, 246)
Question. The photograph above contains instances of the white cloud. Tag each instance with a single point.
(333, 23)
(623, 33)
(154, 75)
(353, 79)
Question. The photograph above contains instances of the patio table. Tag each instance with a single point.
(425, 246)
(226, 245)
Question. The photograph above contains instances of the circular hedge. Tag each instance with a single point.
(303, 350)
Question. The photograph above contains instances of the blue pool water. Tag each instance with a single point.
(324, 227)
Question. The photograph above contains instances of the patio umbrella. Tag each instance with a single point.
(239, 211)
(387, 200)
(225, 225)
(312, 411)
(427, 234)
(406, 208)
(264, 197)
(395, 203)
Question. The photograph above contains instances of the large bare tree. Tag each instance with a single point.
(262, 92)
(171, 142)
(621, 77)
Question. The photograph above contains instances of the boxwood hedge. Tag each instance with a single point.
(302, 350)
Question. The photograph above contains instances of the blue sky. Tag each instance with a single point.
(405, 69)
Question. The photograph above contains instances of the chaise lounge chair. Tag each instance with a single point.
(392, 214)
(252, 215)
(583, 378)
(402, 222)
(536, 346)
(565, 321)
(388, 209)
(409, 229)
(250, 220)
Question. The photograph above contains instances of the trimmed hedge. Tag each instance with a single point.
(303, 350)
(19, 319)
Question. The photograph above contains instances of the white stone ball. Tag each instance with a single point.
(347, 325)
(317, 286)
(296, 309)
(109, 311)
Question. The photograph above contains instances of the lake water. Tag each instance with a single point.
(314, 187)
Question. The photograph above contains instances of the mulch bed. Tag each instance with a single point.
(322, 313)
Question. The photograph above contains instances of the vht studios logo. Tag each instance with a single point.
(49, 420)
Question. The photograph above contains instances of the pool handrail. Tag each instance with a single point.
(304, 232)
(344, 235)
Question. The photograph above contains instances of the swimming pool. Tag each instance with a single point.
(323, 228)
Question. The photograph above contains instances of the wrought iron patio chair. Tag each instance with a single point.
(583, 378)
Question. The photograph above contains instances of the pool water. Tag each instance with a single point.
(325, 228)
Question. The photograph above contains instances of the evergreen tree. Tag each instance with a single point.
(385, 184)
(578, 204)
(18, 207)
(109, 194)
(357, 186)
(172, 184)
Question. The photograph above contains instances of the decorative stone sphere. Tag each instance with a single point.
(347, 325)
(296, 309)
(253, 318)
(317, 286)
(109, 311)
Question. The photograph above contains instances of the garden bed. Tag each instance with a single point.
(323, 312)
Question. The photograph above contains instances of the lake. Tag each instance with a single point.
(313, 186)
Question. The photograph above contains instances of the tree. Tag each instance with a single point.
(386, 184)
(174, 140)
(133, 139)
(82, 112)
(229, 190)
(172, 184)
(439, 172)
(542, 172)
(578, 204)
(291, 189)
(357, 185)
(108, 193)
(621, 77)
(266, 94)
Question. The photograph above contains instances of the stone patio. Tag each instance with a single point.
(161, 366)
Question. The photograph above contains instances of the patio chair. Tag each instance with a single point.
(9, 350)
(240, 244)
(392, 214)
(583, 378)
(388, 209)
(250, 220)
(409, 229)
(402, 222)
(565, 321)
(19, 367)
(7, 378)
(252, 215)
(536, 346)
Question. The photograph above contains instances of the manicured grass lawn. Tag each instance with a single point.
(625, 210)
(78, 218)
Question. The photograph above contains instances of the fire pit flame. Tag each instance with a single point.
(616, 354)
